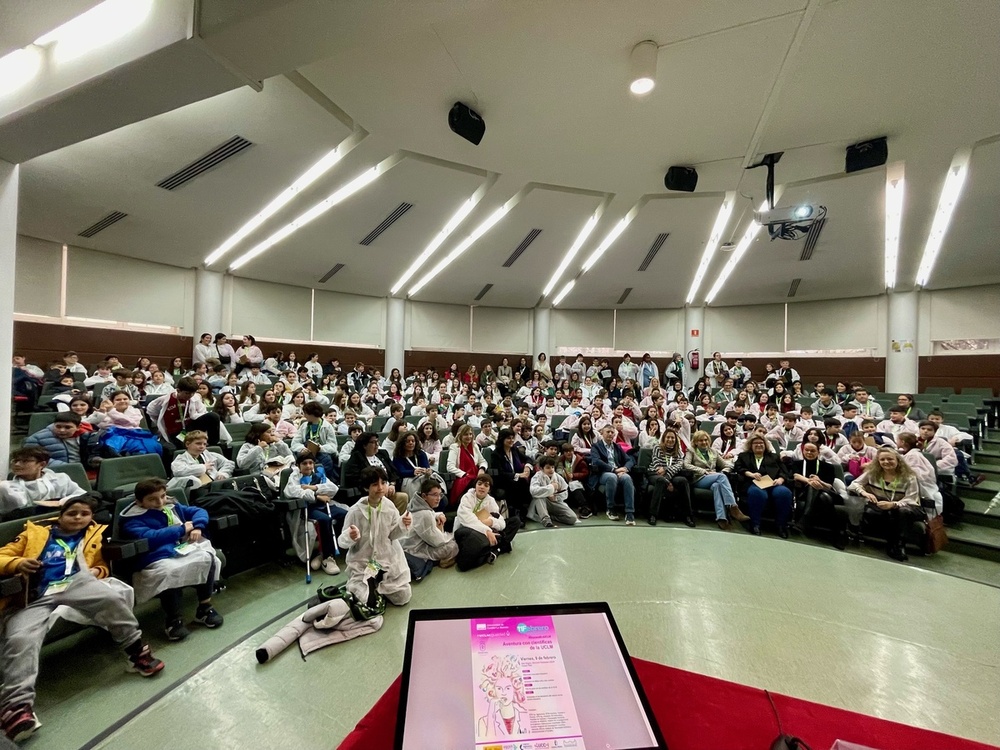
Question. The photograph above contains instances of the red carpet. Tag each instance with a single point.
(702, 713)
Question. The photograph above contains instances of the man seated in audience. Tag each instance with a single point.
(868, 407)
(612, 466)
(62, 564)
(179, 412)
(35, 488)
(61, 440)
(897, 423)
(728, 393)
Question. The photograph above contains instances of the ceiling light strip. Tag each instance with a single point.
(567, 288)
(98, 27)
(714, 239)
(614, 234)
(893, 220)
(471, 238)
(453, 223)
(317, 170)
(741, 248)
(361, 181)
(578, 243)
(947, 203)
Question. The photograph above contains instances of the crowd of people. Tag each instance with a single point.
(404, 474)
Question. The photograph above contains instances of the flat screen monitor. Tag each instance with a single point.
(539, 677)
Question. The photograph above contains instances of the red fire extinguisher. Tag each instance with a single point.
(694, 359)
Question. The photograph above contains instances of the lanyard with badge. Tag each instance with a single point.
(182, 417)
(182, 548)
(63, 583)
(372, 568)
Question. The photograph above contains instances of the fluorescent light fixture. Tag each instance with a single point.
(564, 291)
(608, 241)
(98, 27)
(714, 238)
(308, 177)
(643, 67)
(573, 250)
(741, 248)
(462, 246)
(453, 223)
(18, 68)
(950, 193)
(362, 180)
(893, 221)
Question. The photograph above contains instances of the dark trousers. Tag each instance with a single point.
(474, 548)
(896, 520)
(681, 495)
(818, 508)
(170, 599)
(329, 524)
(757, 499)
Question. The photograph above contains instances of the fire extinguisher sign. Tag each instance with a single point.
(695, 332)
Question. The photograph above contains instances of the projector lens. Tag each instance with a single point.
(803, 212)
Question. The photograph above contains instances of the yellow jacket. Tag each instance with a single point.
(30, 544)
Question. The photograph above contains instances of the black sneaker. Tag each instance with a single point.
(586, 512)
(19, 722)
(207, 616)
(492, 558)
(176, 630)
(652, 520)
(145, 663)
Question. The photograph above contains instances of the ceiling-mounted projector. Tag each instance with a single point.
(801, 214)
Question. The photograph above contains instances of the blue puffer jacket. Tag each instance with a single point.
(144, 523)
(46, 438)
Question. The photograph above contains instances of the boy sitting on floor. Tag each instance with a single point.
(427, 538)
(62, 564)
(548, 496)
(372, 530)
(179, 555)
(481, 531)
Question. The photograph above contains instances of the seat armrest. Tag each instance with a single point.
(223, 522)
(11, 585)
(124, 549)
(287, 504)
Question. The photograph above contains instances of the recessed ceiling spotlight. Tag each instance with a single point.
(643, 67)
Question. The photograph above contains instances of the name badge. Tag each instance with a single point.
(57, 587)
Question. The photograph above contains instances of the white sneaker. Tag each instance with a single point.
(330, 566)
(612, 516)
(316, 563)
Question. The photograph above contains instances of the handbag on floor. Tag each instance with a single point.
(937, 536)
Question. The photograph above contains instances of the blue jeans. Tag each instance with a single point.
(610, 481)
(722, 493)
(757, 499)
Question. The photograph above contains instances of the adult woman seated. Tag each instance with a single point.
(818, 490)
(886, 489)
(512, 472)
(367, 453)
(665, 477)
(465, 462)
(585, 437)
(706, 466)
(410, 463)
(760, 465)
(248, 354)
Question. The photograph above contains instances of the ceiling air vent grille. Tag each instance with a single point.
(528, 239)
(387, 222)
(112, 218)
(483, 292)
(811, 239)
(653, 250)
(210, 160)
(330, 274)
(794, 287)
(627, 292)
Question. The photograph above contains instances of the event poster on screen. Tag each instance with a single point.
(521, 690)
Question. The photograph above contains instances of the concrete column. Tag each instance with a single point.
(9, 174)
(694, 333)
(395, 320)
(207, 303)
(540, 332)
(901, 361)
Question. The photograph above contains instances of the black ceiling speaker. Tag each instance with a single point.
(467, 123)
(684, 179)
(867, 154)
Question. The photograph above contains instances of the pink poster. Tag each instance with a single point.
(520, 685)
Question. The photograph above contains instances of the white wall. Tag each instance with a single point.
(349, 319)
(582, 329)
(498, 329)
(37, 276)
(745, 329)
(838, 324)
(638, 331)
(433, 326)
